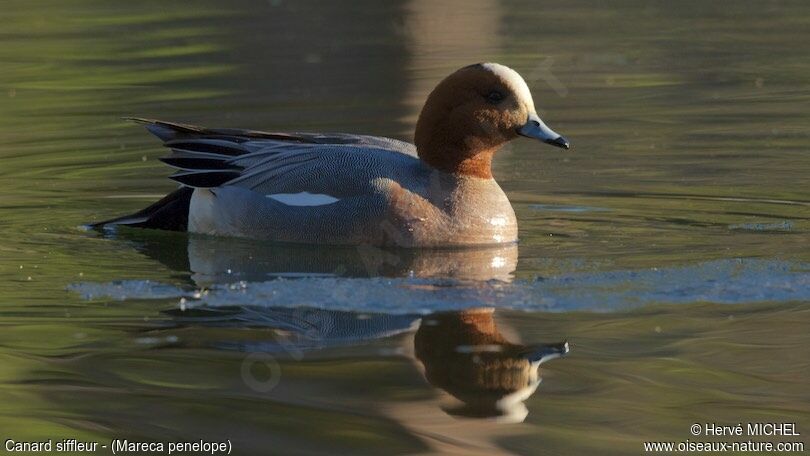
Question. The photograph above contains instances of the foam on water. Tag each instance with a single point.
(723, 281)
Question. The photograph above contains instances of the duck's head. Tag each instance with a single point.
(472, 113)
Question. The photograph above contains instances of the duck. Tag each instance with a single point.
(352, 189)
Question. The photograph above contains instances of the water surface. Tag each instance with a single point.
(669, 247)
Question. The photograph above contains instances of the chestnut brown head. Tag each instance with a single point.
(472, 113)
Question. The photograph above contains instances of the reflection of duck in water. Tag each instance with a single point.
(224, 260)
(465, 354)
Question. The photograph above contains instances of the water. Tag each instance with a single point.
(669, 247)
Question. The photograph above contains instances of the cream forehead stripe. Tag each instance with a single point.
(513, 80)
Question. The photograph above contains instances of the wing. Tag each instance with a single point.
(337, 170)
(336, 164)
(251, 139)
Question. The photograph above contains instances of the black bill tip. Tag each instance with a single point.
(559, 142)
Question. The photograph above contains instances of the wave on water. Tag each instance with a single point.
(723, 281)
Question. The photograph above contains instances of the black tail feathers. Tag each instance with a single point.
(170, 213)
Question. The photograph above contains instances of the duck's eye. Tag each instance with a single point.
(495, 97)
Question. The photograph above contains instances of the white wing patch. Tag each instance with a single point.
(304, 199)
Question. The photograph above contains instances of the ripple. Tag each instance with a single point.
(723, 281)
(785, 225)
(566, 208)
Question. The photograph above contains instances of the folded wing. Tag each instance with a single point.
(335, 164)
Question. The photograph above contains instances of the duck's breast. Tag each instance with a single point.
(448, 210)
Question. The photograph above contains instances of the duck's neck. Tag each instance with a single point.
(475, 325)
(451, 151)
(450, 160)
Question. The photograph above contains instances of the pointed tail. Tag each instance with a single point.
(170, 213)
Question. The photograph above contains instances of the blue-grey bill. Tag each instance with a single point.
(537, 129)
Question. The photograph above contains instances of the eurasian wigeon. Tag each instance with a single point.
(355, 189)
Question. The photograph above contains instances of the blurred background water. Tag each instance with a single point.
(670, 247)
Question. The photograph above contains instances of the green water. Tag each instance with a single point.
(672, 243)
